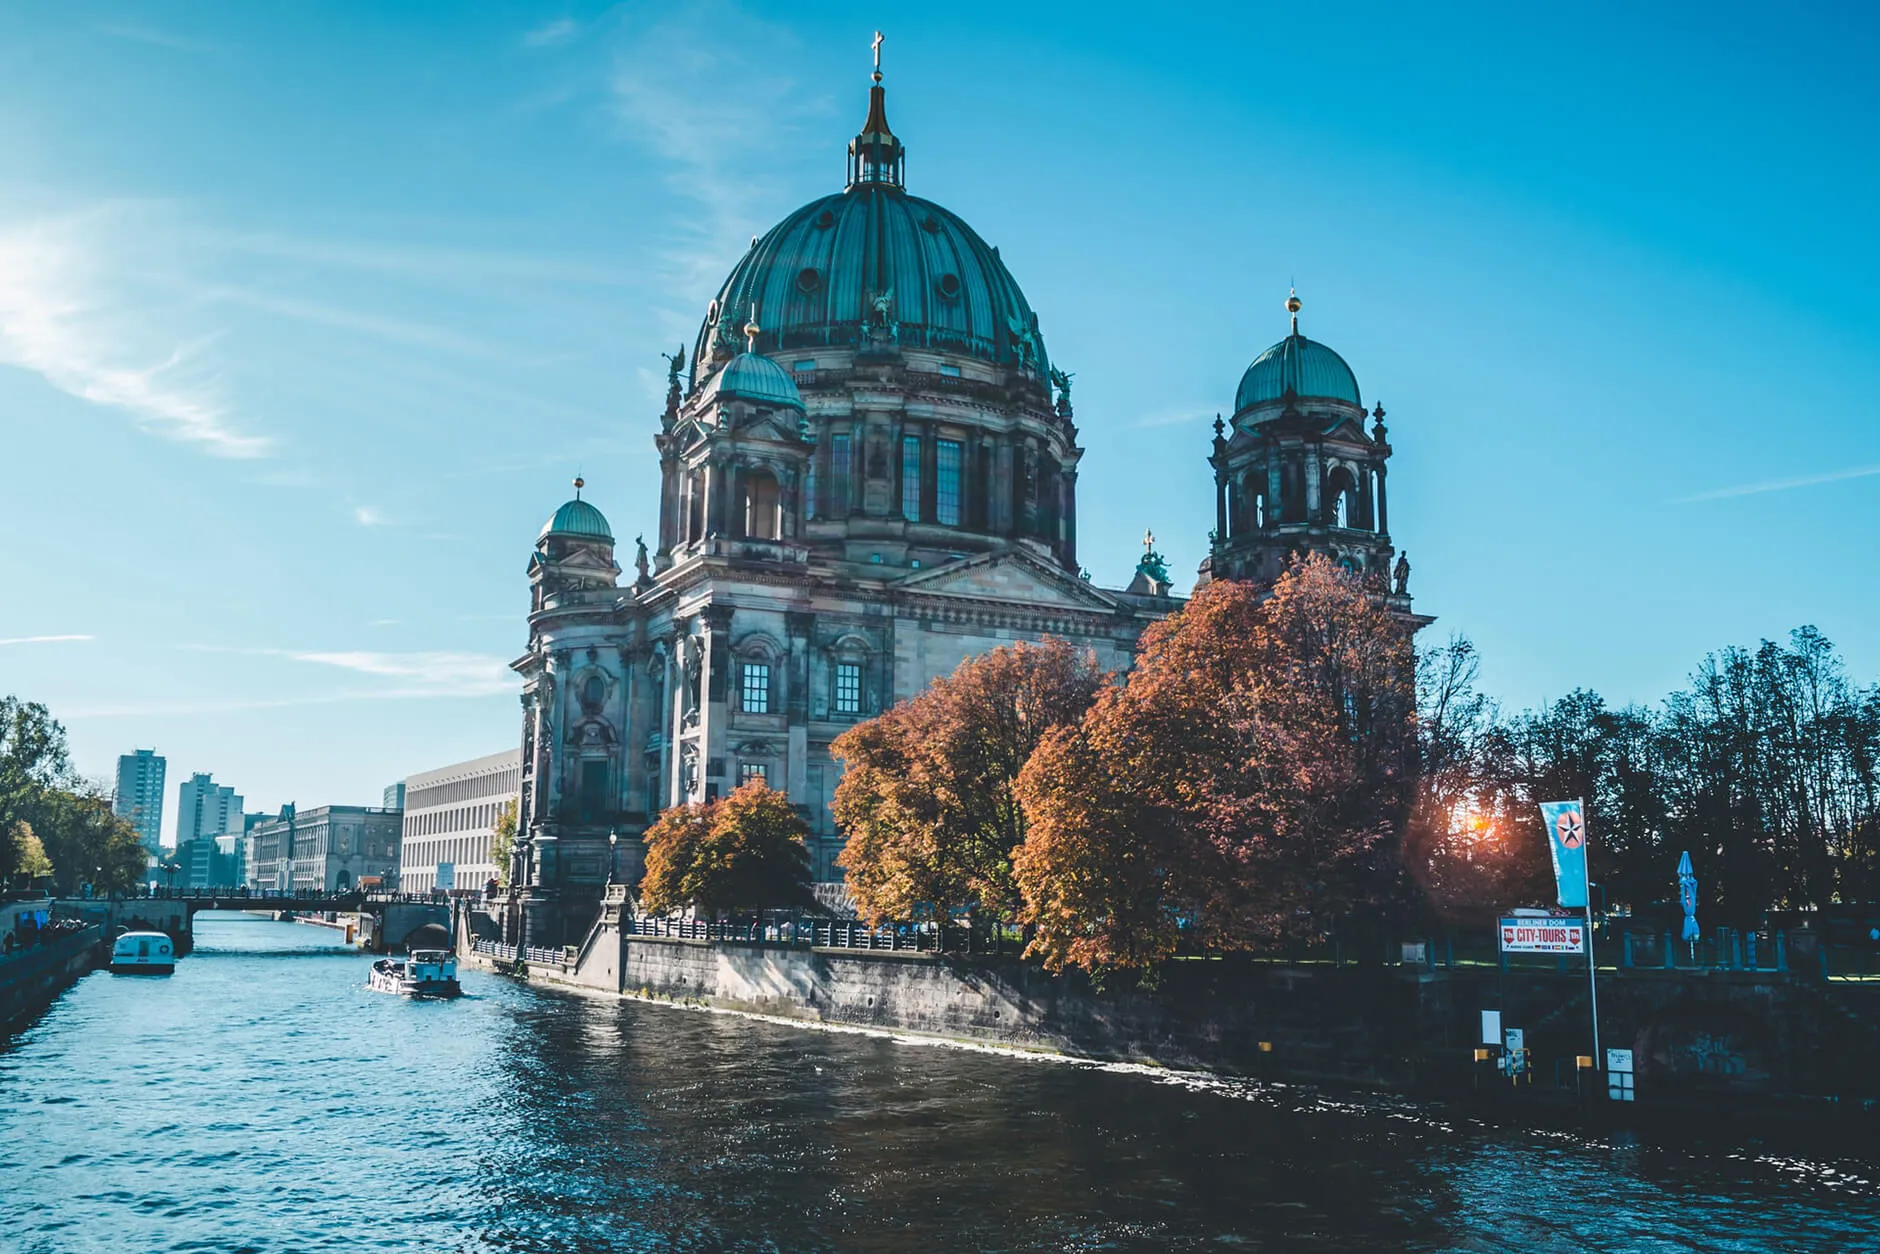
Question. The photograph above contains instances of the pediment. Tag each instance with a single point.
(1013, 578)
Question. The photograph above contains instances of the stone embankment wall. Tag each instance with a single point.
(33, 977)
(1405, 1028)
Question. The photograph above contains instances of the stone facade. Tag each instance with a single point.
(868, 475)
(324, 848)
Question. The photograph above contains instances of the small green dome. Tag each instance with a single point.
(580, 519)
(755, 377)
(1303, 367)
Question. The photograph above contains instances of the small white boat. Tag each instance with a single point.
(425, 973)
(143, 953)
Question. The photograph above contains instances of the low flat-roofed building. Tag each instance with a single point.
(449, 814)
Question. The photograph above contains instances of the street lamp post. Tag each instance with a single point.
(613, 849)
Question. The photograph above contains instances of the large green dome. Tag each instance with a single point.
(815, 279)
(1303, 368)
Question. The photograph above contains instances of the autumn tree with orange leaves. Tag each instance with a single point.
(745, 851)
(927, 796)
(1248, 784)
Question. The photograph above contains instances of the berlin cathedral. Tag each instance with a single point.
(868, 474)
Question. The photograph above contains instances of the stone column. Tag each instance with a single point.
(799, 628)
(715, 692)
(1383, 505)
(1314, 471)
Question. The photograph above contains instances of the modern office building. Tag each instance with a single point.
(138, 796)
(324, 848)
(449, 816)
(394, 797)
(205, 810)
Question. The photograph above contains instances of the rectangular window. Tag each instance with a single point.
(952, 372)
(848, 688)
(838, 476)
(910, 478)
(594, 789)
(748, 771)
(805, 365)
(947, 482)
(756, 688)
(809, 490)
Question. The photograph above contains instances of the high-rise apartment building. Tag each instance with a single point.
(138, 797)
(204, 811)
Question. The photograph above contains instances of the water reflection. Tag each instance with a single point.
(263, 1099)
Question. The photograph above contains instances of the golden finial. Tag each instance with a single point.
(876, 45)
(1148, 541)
(579, 483)
(1292, 307)
(750, 332)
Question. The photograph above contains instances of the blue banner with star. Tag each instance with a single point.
(1566, 838)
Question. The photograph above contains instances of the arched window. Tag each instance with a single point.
(763, 506)
(593, 692)
(1341, 497)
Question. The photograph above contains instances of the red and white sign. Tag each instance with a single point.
(1543, 936)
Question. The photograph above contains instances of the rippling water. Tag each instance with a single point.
(262, 1099)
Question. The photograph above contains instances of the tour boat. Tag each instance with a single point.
(426, 973)
(143, 953)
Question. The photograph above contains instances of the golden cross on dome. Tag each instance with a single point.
(876, 45)
(750, 332)
(1148, 541)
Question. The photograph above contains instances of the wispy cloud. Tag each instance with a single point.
(368, 516)
(435, 673)
(549, 34)
(1176, 417)
(1781, 485)
(44, 639)
(156, 38)
(71, 312)
(668, 89)
(426, 261)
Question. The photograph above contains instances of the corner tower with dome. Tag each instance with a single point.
(868, 473)
(1296, 472)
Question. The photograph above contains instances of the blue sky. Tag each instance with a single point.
(309, 313)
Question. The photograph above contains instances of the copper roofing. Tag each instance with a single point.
(1301, 368)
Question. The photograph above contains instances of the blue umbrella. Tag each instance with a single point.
(1687, 897)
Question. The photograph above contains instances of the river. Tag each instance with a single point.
(262, 1099)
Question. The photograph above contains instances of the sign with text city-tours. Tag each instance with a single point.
(1543, 936)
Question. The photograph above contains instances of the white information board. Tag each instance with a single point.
(1543, 936)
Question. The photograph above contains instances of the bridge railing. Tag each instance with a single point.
(810, 932)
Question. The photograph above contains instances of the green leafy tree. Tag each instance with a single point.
(87, 842)
(503, 838)
(33, 763)
(747, 851)
(28, 853)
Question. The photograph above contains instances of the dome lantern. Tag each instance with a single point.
(875, 155)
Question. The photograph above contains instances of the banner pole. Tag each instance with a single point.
(1592, 976)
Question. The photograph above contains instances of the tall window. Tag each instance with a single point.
(848, 688)
(910, 478)
(763, 507)
(748, 771)
(947, 483)
(594, 788)
(756, 687)
(839, 476)
(809, 489)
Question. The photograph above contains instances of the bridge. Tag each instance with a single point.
(387, 919)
